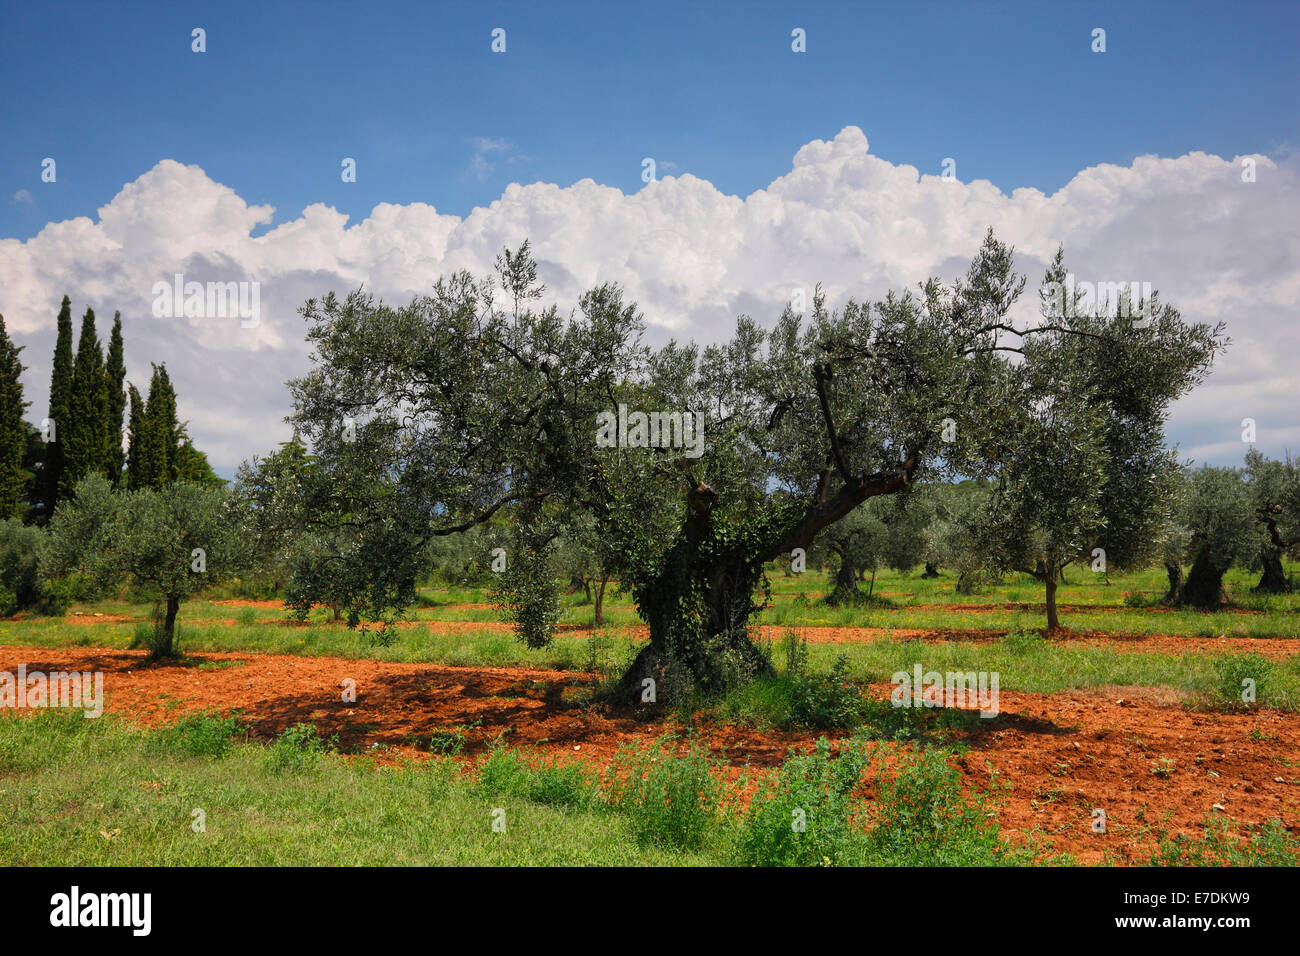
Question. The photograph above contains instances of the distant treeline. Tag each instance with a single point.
(89, 398)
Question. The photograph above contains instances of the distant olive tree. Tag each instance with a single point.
(581, 556)
(1082, 472)
(850, 547)
(1220, 519)
(172, 542)
(21, 547)
(1275, 488)
(949, 538)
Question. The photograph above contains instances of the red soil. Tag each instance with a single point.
(1060, 754)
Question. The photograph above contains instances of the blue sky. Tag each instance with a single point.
(412, 91)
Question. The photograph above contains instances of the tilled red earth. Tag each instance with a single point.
(1137, 753)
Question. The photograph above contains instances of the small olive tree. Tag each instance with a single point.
(1082, 470)
(857, 542)
(581, 557)
(1275, 486)
(1221, 520)
(173, 542)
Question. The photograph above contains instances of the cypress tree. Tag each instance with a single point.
(13, 430)
(160, 452)
(193, 466)
(162, 457)
(137, 434)
(83, 451)
(115, 375)
(60, 408)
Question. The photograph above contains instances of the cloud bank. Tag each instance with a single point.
(1217, 247)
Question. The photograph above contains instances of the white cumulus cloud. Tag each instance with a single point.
(693, 258)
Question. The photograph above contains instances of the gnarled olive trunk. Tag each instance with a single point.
(697, 608)
(1175, 572)
(1204, 585)
(698, 601)
(931, 570)
(1273, 580)
(845, 590)
(705, 648)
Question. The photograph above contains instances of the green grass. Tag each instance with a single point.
(1022, 662)
(101, 793)
(1126, 605)
(85, 792)
(82, 792)
(1226, 844)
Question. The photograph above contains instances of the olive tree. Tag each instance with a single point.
(850, 547)
(1220, 519)
(173, 542)
(1275, 488)
(906, 517)
(327, 557)
(1174, 537)
(473, 401)
(1082, 470)
(21, 547)
(949, 535)
(582, 558)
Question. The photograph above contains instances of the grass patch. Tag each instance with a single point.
(670, 800)
(1224, 843)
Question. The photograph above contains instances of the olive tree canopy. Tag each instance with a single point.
(427, 419)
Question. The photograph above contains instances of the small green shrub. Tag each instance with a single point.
(1233, 671)
(8, 602)
(1224, 845)
(805, 816)
(57, 595)
(670, 799)
(506, 773)
(448, 743)
(799, 698)
(203, 734)
(1022, 642)
(298, 748)
(922, 819)
(827, 702)
(21, 548)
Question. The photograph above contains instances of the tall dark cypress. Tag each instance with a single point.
(83, 451)
(114, 377)
(13, 430)
(138, 436)
(60, 409)
(162, 456)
